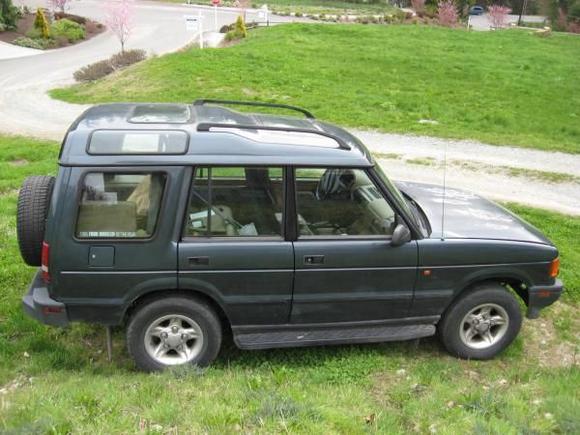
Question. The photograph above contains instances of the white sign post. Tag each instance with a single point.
(195, 24)
(215, 4)
(263, 13)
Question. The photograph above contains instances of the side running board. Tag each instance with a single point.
(319, 337)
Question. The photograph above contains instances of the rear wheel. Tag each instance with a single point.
(481, 323)
(173, 331)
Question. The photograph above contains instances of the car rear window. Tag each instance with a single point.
(114, 142)
(116, 205)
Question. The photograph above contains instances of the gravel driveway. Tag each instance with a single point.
(498, 172)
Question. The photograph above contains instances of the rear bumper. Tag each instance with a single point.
(38, 304)
(542, 296)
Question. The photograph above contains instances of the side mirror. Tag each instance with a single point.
(401, 235)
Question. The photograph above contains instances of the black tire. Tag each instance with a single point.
(33, 203)
(449, 328)
(198, 311)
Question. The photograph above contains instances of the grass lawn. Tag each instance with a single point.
(58, 381)
(332, 7)
(507, 87)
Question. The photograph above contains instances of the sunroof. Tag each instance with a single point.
(116, 142)
(160, 113)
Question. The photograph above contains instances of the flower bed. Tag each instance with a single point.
(61, 30)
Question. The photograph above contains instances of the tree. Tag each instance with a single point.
(59, 4)
(447, 13)
(8, 14)
(41, 24)
(418, 6)
(498, 16)
(119, 19)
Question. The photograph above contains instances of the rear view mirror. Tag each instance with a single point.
(401, 235)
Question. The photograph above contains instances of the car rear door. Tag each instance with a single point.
(115, 238)
(233, 246)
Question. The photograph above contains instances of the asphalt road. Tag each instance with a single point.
(481, 22)
(26, 109)
(24, 106)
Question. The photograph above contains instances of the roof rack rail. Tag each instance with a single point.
(305, 112)
(207, 126)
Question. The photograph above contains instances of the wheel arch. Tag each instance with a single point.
(152, 295)
(518, 282)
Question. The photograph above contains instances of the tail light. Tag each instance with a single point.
(554, 267)
(44, 260)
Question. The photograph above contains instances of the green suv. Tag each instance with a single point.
(181, 222)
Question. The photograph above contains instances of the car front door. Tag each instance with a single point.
(346, 268)
(233, 246)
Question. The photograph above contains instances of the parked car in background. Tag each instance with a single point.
(476, 10)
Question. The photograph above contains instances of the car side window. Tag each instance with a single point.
(236, 202)
(341, 202)
(119, 205)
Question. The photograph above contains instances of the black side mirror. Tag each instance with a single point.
(401, 235)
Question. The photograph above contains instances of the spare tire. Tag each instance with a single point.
(33, 202)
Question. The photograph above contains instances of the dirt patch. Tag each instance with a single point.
(19, 162)
(543, 342)
(26, 23)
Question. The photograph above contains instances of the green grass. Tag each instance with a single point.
(506, 87)
(333, 7)
(58, 381)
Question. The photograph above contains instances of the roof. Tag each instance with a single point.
(215, 135)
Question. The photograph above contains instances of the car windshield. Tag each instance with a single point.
(396, 192)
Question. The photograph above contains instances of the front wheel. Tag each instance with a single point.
(173, 331)
(481, 323)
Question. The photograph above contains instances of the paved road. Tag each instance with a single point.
(24, 106)
(481, 168)
(26, 109)
(10, 51)
(481, 22)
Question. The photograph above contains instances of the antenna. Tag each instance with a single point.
(444, 192)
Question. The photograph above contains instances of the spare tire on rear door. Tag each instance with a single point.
(33, 202)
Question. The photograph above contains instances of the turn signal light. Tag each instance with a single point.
(555, 267)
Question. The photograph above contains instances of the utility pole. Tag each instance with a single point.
(522, 11)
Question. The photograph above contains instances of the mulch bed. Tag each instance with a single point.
(92, 28)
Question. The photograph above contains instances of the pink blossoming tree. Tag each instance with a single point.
(119, 19)
(59, 4)
(498, 16)
(447, 13)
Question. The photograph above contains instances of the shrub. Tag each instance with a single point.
(9, 14)
(447, 13)
(24, 41)
(574, 13)
(94, 71)
(129, 57)
(75, 18)
(68, 29)
(498, 16)
(239, 31)
(240, 27)
(41, 23)
(100, 69)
